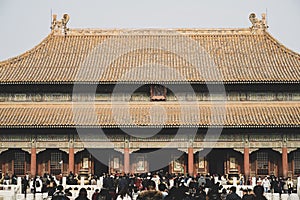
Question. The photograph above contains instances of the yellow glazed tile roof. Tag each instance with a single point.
(152, 114)
(154, 56)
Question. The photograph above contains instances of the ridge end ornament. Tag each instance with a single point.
(258, 24)
(60, 25)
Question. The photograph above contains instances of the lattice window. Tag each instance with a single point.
(262, 163)
(296, 162)
(56, 163)
(19, 163)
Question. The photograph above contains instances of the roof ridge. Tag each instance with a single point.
(155, 31)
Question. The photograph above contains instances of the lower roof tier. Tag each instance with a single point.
(150, 115)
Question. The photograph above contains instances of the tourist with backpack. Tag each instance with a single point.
(38, 184)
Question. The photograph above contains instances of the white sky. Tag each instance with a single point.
(24, 23)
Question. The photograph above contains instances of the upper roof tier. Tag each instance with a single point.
(248, 55)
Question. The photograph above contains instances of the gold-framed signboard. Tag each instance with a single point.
(140, 163)
(177, 167)
(201, 163)
(116, 162)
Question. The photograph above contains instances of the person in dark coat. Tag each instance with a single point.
(59, 194)
(259, 193)
(14, 179)
(247, 195)
(123, 183)
(95, 195)
(208, 181)
(278, 186)
(223, 194)
(182, 190)
(232, 194)
(25, 184)
(110, 183)
(82, 194)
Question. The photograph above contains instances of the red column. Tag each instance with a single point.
(284, 162)
(191, 161)
(126, 161)
(246, 163)
(71, 160)
(33, 162)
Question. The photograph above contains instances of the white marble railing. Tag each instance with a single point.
(8, 192)
(13, 192)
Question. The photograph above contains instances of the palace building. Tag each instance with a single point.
(201, 100)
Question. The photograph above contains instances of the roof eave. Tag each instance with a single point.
(147, 82)
(146, 127)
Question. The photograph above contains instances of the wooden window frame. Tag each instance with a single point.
(263, 157)
(19, 163)
(55, 166)
(296, 158)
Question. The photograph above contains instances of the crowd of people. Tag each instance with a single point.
(153, 186)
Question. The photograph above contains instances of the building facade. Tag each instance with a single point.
(219, 101)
